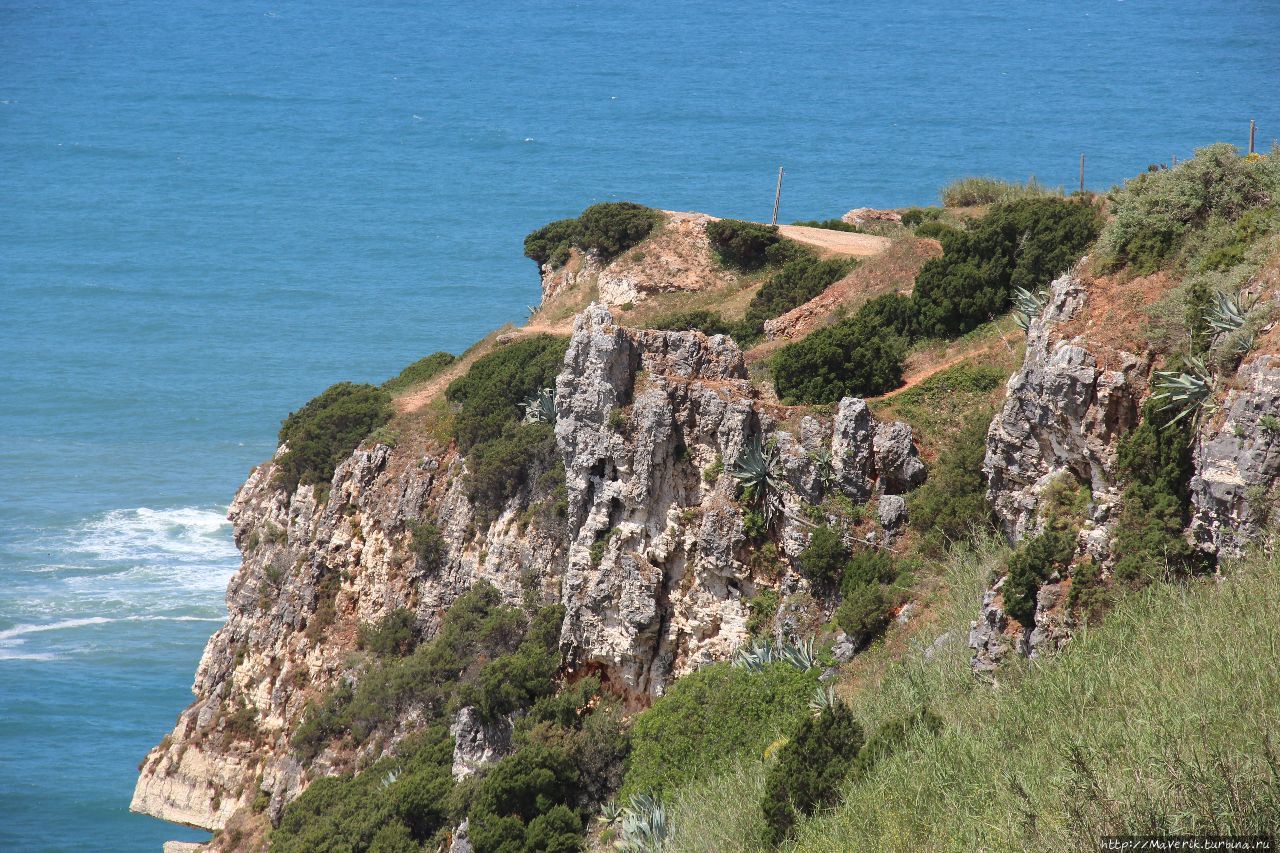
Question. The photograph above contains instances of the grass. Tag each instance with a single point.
(1153, 722)
(969, 192)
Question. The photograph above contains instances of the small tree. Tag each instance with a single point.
(823, 561)
(810, 768)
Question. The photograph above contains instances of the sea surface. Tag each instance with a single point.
(209, 212)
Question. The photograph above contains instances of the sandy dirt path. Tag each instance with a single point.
(836, 242)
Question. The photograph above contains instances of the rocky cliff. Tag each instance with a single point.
(1086, 374)
(648, 561)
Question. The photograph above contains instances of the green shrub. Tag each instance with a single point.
(1028, 568)
(1157, 216)
(608, 229)
(915, 216)
(707, 322)
(323, 433)
(394, 636)
(968, 192)
(940, 231)
(420, 371)
(399, 798)
(868, 566)
(742, 244)
(520, 803)
(427, 544)
(504, 454)
(810, 769)
(863, 614)
(796, 283)
(516, 680)
(764, 607)
(1155, 463)
(709, 717)
(827, 224)
(1088, 597)
(952, 504)
(853, 357)
(1018, 244)
(823, 560)
(491, 391)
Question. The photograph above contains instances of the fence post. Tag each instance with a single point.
(777, 197)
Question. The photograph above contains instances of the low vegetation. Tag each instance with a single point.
(1021, 243)
(420, 371)
(323, 433)
(971, 192)
(608, 229)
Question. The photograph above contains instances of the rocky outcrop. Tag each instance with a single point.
(476, 742)
(1062, 415)
(1237, 462)
(648, 561)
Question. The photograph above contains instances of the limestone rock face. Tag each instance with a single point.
(1062, 415)
(1237, 463)
(897, 459)
(648, 560)
(476, 742)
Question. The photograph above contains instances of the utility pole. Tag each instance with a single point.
(1081, 174)
(1253, 129)
(777, 197)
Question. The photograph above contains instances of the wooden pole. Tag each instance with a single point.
(777, 197)
(1082, 174)
(1253, 130)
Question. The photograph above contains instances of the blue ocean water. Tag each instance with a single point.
(210, 212)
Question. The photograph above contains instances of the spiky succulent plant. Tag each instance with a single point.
(1186, 392)
(1026, 305)
(540, 408)
(1226, 314)
(824, 697)
(823, 466)
(759, 477)
(764, 651)
(644, 825)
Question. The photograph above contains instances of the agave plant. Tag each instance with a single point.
(644, 825)
(1184, 392)
(610, 812)
(759, 477)
(823, 466)
(759, 653)
(1026, 305)
(540, 408)
(1227, 313)
(823, 698)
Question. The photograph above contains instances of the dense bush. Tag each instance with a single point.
(1155, 463)
(709, 717)
(427, 544)
(915, 216)
(608, 229)
(967, 192)
(863, 614)
(742, 244)
(1030, 565)
(952, 504)
(810, 769)
(523, 795)
(420, 371)
(1018, 244)
(324, 432)
(823, 560)
(504, 454)
(868, 566)
(854, 357)
(707, 322)
(1158, 215)
(491, 391)
(827, 224)
(515, 680)
(396, 804)
(394, 636)
(796, 283)
(476, 626)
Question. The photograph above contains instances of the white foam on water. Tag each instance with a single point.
(128, 565)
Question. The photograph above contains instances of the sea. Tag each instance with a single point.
(209, 212)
